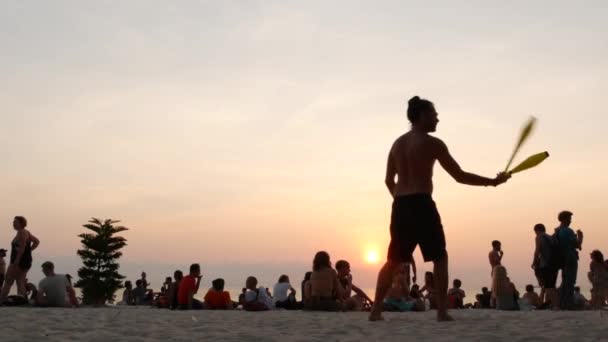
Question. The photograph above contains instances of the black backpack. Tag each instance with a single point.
(556, 259)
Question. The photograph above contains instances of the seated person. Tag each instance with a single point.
(127, 294)
(173, 289)
(73, 301)
(580, 302)
(415, 292)
(141, 295)
(484, 299)
(53, 289)
(456, 296)
(531, 297)
(256, 299)
(283, 300)
(398, 296)
(323, 289)
(360, 300)
(216, 298)
(428, 290)
(503, 290)
(164, 290)
(188, 287)
(304, 283)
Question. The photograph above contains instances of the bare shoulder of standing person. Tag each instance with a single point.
(437, 146)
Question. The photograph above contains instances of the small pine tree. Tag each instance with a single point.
(99, 277)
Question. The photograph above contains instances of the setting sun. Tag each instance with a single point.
(372, 257)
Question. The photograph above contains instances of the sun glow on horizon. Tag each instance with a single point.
(372, 256)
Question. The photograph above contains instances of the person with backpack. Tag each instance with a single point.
(568, 243)
(545, 266)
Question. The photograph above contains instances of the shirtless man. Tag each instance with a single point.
(495, 255)
(415, 219)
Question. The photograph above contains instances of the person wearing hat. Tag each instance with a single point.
(2, 266)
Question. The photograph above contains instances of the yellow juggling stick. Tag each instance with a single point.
(530, 162)
(523, 136)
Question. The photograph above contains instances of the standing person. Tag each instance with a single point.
(569, 242)
(543, 263)
(415, 219)
(2, 266)
(188, 287)
(21, 258)
(495, 255)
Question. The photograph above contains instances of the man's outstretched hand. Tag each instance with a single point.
(502, 177)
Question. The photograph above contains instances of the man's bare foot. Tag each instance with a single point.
(375, 315)
(444, 317)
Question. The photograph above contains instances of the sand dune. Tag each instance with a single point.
(147, 324)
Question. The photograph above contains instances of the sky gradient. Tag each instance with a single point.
(246, 133)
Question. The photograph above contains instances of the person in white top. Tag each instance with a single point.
(53, 289)
(257, 298)
(283, 299)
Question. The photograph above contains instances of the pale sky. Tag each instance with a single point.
(256, 132)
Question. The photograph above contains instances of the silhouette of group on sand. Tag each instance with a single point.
(415, 222)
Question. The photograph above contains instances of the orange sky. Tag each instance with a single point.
(258, 133)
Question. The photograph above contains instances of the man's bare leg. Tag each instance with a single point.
(440, 270)
(542, 295)
(553, 297)
(385, 279)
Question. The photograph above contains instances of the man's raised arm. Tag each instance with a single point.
(451, 166)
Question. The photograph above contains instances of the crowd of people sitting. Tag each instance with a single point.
(330, 287)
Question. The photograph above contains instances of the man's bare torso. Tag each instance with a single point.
(414, 155)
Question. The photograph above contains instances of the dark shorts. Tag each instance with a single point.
(547, 277)
(416, 221)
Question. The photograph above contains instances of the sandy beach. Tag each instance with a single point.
(148, 324)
